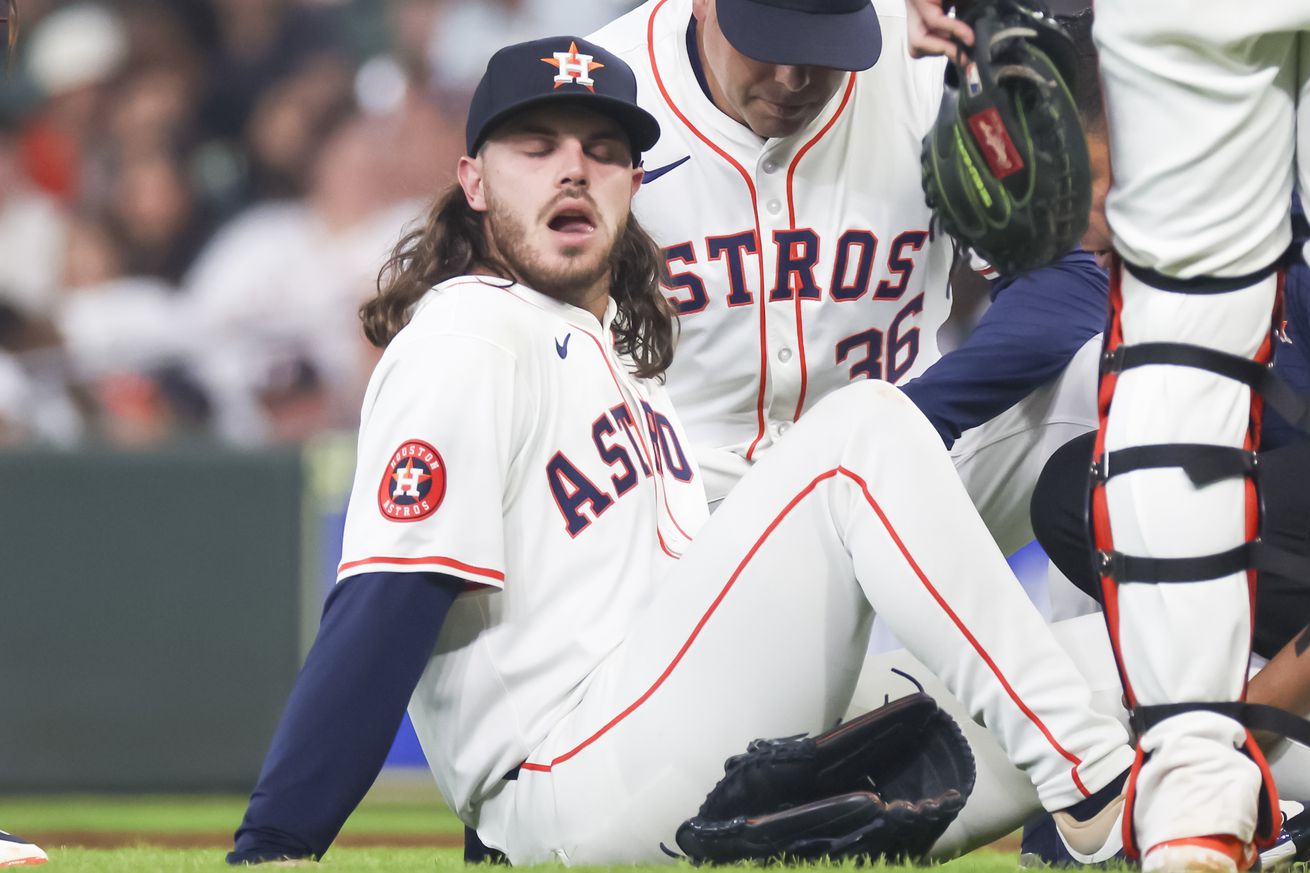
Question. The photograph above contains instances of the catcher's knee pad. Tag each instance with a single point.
(1204, 463)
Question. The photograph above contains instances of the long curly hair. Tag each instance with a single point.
(453, 242)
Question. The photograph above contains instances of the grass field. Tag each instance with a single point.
(74, 860)
(401, 826)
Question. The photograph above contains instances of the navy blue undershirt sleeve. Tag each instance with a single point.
(377, 633)
(1035, 325)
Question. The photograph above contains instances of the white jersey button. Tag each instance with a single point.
(775, 206)
(784, 355)
(770, 167)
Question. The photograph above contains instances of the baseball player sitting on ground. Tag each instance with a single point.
(519, 563)
(785, 192)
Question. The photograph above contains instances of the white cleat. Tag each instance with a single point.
(18, 852)
(1215, 854)
(1293, 842)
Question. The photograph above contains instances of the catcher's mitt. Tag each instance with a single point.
(885, 784)
(1005, 167)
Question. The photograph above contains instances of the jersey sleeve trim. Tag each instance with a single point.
(382, 564)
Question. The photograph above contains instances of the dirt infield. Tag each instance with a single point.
(222, 841)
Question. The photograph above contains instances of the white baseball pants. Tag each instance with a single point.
(761, 631)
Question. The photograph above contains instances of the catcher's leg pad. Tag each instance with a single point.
(1211, 459)
(885, 784)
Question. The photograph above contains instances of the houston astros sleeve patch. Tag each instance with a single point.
(414, 483)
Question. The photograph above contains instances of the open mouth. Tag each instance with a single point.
(573, 221)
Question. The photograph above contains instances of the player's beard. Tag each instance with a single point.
(571, 278)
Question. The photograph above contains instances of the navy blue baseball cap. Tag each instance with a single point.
(556, 70)
(841, 34)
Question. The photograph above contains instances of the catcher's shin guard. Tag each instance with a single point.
(1217, 449)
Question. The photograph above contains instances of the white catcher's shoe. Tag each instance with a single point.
(18, 852)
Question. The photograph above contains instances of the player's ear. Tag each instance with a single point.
(699, 9)
(637, 175)
(470, 177)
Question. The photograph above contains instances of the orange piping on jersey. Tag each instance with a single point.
(732, 580)
(434, 561)
(649, 457)
(761, 301)
(649, 450)
(791, 215)
(664, 546)
(968, 635)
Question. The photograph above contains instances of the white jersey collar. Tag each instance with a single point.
(580, 318)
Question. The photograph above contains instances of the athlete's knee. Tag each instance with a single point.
(868, 400)
(872, 412)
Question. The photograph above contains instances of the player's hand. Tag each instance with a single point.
(933, 32)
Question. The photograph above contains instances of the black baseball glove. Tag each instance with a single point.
(1005, 167)
(886, 784)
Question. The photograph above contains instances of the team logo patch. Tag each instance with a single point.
(573, 67)
(414, 484)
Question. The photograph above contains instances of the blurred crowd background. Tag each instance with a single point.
(195, 196)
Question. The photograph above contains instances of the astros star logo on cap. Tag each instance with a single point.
(573, 67)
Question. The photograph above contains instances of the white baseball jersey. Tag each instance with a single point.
(798, 264)
(504, 442)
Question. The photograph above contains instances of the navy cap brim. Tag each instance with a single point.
(641, 128)
(773, 35)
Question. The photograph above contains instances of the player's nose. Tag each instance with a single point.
(573, 163)
(792, 77)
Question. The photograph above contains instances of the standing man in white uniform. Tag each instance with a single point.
(1209, 108)
(785, 193)
(519, 561)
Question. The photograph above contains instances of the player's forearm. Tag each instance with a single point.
(377, 634)
(1029, 334)
(1284, 683)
